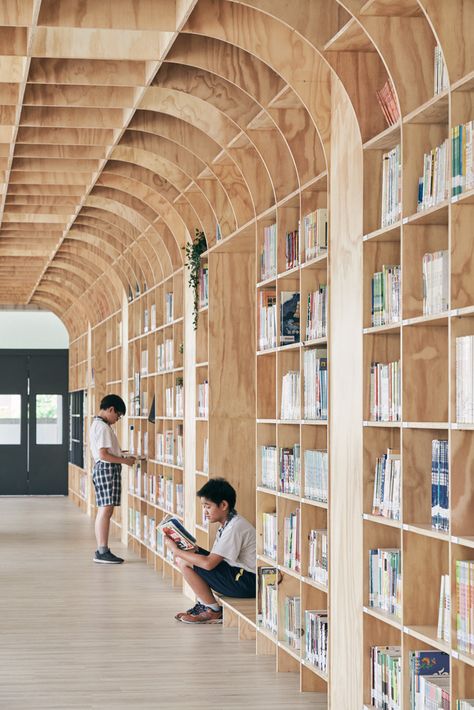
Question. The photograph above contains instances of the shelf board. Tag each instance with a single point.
(466, 83)
(391, 425)
(291, 651)
(268, 561)
(425, 425)
(291, 572)
(266, 632)
(427, 634)
(316, 262)
(389, 8)
(270, 491)
(466, 541)
(438, 214)
(266, 421)
(316, 341)
(384, 616)
(202, 364)
(463, 656)
(437, 319)
(385, 234)
(267, 282)
(465, 198)
(350, 38)
(436, 110)
(316, 585)
(202, 473)
(460, 312)
(289, 272)
(168, 465)
(386, 140)
(316, 503)
(285, 98)
(315, 670)
(372, 330)
(426, 530)
(380, 520)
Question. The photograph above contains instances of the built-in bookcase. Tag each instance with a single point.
(424, 343)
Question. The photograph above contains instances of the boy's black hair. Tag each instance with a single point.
(113, 400)
(217, 490)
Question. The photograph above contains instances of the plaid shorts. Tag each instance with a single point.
(107, 481)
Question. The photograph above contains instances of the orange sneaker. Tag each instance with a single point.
(196, 609)
(206, 616)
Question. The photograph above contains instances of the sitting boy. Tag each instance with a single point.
(229, 569)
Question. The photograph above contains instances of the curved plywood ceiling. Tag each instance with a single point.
(127, 124)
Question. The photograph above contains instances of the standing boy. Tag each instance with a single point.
(106, 476)
(229, 569)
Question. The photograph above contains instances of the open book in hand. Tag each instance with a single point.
(172, 527)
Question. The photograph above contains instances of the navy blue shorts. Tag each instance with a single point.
(229, 581)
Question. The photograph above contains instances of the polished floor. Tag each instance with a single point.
(74, 634)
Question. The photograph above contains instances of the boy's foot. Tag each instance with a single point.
(196, 609)
(107, 558)
(206, 616)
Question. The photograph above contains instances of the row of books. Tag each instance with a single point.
(291, 541)
(434, 184)
(270, 535)
(204, 285)
(441, 80)
(160, 490)
(170, 446)
(465, 605)
(385, 580)
(440, 485)
(385, 392)
(435, 282)
(149, 315)
(444, 609)
(267, 597)
(283, 471)
(293, 630)
(386, 677)
(165, 355)
(391, 186)
(316, 638)
(290, 327)
(465, 379)
(388, 103)
(174, 401)
(203, 399)
(315, 384)
(137, 442)
(462, 162)
(386, 295)
(314, 239)
(387, 499)
(149, 318)
(290, 470)
(169, 302)
(318, 556)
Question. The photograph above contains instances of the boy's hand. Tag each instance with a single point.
(170, 544)
(129, 460)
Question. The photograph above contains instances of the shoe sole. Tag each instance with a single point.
(106, 562)
(210, 621)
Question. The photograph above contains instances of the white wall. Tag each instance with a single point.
(32, 330)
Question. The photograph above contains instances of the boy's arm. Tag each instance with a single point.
(203, 561)
(105, 455)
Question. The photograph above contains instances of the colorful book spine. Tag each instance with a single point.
(391, 187)
(386, 677)
(385, 392)
(465, 605)
(269, 529)
(385, 580)
(204, 285)
(434, 184)
(318, 556)
(290, 396)
(386, 295)
(388, 103)
(169, 307)
(316, 314)
(435, 282)
(465, 379)
(290, 470)
(267, 596)
(316, 638)
(444, 611)
(441, 81)
(427, 666)
(315, 233)
(203, 399)
(292, 249)
(269, 467)
(293, 629)
(267, 337)
(291, 541)
(439, 485)
(268, 257)
(387, 486)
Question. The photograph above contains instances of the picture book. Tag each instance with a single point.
(172, 527)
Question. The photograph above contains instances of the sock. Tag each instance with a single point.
(214, 607)
(102, 549)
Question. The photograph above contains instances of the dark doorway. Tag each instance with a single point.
(34, 422)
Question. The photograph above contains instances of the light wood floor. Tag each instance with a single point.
(74, 634)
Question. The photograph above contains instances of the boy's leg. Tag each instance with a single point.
(102, 526)
(200, 588)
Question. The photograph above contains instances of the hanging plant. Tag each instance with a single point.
(194, 250)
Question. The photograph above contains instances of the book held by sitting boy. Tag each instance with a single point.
(172, 528)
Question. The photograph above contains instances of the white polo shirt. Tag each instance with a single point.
(236, 543)
(102, 436)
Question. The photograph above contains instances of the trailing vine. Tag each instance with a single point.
(194, 250)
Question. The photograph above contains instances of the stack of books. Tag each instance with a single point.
(440, 485)
(429, 680)
(270, 538)
(315, 233)
(315, 386)
(465, 605)
(434, 184)
(386, 677)
(444, 612)
(316, 638)
(318, 556)
(385, 392)
(290, 470)
(267, 337)
(386, 295)
(435, 282)
(291, 541)
(385, 580)
(462, 158)
(465, 379)
(293, 630)
(388, 104)
(269, 463)
(387, 498)
(391, 187)
(268, 258)
(290, 396)
(316, 475)
(316, 314)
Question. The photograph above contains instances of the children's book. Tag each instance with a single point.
(172, 527)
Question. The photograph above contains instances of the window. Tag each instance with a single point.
(49, 419)
(10, 419)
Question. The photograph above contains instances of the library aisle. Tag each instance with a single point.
(78, 635)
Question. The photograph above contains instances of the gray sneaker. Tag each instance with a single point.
(107, 558)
